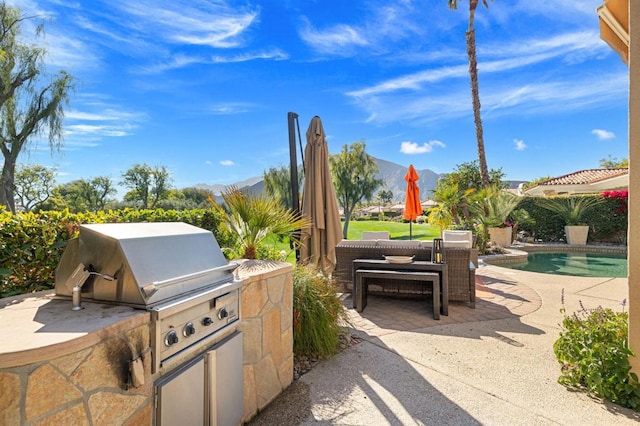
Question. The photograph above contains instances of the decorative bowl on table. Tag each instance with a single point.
(399, 259)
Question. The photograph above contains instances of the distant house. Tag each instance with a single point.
(592, 181)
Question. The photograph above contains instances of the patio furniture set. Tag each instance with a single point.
(363, 268)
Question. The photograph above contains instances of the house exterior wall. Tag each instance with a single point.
(634, 179)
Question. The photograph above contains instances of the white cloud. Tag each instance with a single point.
(230, 108)
(519, 144)
(275, 54)
(107, 114)
(603, 134)
(338, 39)
(449, 101)
(413, 147)
(227, 163)
(87, 129)
(373, 31)
(525, 54)
(174, 62)
(212, 24)
(208, 162)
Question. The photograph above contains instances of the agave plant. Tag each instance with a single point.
(570, 209)
(251, 219)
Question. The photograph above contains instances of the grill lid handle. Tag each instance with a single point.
(150, 289)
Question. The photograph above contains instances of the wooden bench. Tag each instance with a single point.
(360, 291)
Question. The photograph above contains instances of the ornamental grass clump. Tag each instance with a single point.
(317, 313)
(594, 353)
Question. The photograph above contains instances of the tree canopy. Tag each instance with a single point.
(614, 163)
(34, 185)
(354, 178)
(31, 103)
(277, 183)
(468, 176)
(148, 185)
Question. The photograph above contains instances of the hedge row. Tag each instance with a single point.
(607, 221)
(31, 243)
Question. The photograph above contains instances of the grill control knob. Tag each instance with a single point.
(207, 321)
(188, 329)
(222, 313)
(171, 338)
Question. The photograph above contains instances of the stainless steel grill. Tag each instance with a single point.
(142, 264)
(178, 273)
(174, 270)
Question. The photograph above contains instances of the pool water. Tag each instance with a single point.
(577, 264)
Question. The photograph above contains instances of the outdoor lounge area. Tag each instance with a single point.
(456, 274)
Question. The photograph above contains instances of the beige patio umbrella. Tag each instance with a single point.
(319, 203)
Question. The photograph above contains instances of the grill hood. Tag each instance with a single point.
(141, 264)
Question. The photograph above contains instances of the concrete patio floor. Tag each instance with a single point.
(493, 365)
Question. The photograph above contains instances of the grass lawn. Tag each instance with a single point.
(397, 230)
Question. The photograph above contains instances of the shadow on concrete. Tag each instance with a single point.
(375, 385)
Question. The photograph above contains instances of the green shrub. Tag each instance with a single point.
(317, 312)
(606, 223)
(594, 353)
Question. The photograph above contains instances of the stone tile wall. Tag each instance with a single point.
(267, 325)
(88, 387)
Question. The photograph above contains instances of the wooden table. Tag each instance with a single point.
(418, 265)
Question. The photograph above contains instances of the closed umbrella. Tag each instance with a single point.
(412, 206)
(319, 203)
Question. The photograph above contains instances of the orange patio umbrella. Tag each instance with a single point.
(412, 206)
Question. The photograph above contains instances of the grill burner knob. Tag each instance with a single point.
(222, 313)
(188, 329)
(207, 321)
(171, 338)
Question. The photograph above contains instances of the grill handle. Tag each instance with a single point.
(150, 289)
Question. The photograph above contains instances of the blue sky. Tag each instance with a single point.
(204, 87)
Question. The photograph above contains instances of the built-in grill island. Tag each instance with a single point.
(178, 273)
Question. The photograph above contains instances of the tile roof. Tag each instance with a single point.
(584, 177)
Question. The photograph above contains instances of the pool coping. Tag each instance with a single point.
(521, 251)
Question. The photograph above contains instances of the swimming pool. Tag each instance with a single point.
(582, 264)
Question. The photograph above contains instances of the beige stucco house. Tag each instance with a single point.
(592, 181)
(620, 28)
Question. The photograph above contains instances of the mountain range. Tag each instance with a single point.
(391, 174)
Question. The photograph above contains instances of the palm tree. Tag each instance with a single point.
(451, 199)
(250, 219)
(473, 75)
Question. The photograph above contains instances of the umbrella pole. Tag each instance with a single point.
(293, 170)
(410, 232)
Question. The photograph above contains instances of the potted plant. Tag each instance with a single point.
(492, 209)
(571, 210)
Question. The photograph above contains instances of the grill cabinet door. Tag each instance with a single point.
(180, 396)
(225, 381)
